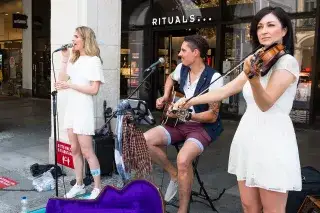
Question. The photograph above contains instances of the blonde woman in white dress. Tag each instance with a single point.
(264, 153)
(82, 75)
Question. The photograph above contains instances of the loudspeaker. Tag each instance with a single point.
(104, 149)
(310, 205)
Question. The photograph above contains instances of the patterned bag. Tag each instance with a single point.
(136, 156)
(131, 152)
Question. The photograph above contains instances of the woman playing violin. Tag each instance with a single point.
(264, 154)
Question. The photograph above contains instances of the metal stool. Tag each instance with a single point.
(202, 193)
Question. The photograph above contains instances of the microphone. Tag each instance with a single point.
(160, 61)
(63, 47)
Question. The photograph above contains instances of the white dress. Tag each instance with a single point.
(79, 114)
(264, 149)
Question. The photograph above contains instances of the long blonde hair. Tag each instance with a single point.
(90, 43)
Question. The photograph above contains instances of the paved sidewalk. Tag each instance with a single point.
(25, 129)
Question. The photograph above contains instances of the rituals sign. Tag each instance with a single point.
(178, 20)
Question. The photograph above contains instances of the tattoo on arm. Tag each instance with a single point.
(214, 107)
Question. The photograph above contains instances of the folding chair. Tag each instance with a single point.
(202, 193)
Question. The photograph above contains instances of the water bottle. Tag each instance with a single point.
(24, 205)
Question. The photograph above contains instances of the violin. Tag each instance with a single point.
(264, 59)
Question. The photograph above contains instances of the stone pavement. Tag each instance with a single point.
(25, 129)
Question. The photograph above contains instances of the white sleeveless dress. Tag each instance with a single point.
(79, 114)
(264, 149)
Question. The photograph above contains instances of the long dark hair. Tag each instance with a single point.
(285, 22)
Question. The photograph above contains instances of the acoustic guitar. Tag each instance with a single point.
(175, 96)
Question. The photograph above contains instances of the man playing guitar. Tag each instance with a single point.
(203, 123)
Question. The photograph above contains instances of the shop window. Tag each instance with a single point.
(310, 5)
(244, 8)
(10, 49)
(304, 49)
(132, 55)
(237, 46)
(239, 8)
(135, 18)
(211, 35)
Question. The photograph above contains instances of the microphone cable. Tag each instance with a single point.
(57, 120)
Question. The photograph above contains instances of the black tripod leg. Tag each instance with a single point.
(205, 192)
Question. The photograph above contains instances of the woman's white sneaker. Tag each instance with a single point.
(94, 194)
(76, 190)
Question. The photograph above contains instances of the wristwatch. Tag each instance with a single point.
(189, 116)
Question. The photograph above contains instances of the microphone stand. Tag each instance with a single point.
(144, 80)
(54, 111)
(54, 114)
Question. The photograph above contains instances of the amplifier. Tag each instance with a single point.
(104, 149)
(311, 204)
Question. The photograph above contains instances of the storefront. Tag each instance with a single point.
(25, 48)
(155, 28)
(12, 23)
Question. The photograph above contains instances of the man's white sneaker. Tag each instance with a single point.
(76, 190)
(94, 194)
(171, 190)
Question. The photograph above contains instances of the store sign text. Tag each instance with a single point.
(176, 20)
(19, 21)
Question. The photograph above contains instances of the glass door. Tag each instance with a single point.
(168, 46)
